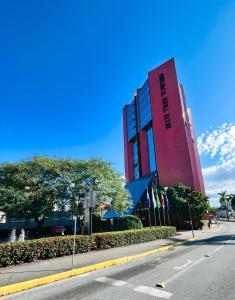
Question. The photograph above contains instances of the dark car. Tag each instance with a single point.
(58, 230)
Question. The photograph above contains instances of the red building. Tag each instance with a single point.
(158, 132)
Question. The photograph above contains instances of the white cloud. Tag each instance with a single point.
(219, 143)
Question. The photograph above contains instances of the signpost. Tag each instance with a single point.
(86, 203)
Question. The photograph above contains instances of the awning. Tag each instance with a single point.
(136, 189)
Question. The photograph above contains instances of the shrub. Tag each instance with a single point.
(127, 222)
(46, 248)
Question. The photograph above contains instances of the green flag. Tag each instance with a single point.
(157, 200)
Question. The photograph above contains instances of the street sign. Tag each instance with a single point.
(90, 200)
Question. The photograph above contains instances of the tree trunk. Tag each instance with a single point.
(40, 223)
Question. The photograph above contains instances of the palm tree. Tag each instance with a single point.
(231, 198)
(223, 197)
(223, 200)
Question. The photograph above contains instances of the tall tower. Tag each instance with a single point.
(158, 132)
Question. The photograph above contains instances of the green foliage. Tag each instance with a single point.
(223, 197)
(232, 199)
(179, 196)
(213, 210)
(28, 251)
(127, 222)
(33, 188)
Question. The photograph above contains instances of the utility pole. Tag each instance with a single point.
(74, 233)
(190, 217)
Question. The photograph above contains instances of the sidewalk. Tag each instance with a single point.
(24, 272)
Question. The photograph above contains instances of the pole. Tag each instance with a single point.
(149, 219)
(155, 221)
(74, 239)
(159, 217)
(163, 209)
(226, 205)
(189, 210)
(168, 217)
(90, 210)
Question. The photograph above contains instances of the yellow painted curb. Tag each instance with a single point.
(17, 287)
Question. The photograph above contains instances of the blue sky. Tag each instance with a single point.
(68, 67)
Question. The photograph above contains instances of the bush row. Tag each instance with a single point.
(46, 248)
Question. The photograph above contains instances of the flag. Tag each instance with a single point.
(166, 201)
(147, 200)
(153, 199)
(163, 201)
(158, 201)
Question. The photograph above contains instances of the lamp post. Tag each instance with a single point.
(74, 233)
(190, 217)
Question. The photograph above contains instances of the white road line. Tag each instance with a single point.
(194, 264)
(183, 266)
(111, 281)
(84, 275)
(153, 292)
(184, 270)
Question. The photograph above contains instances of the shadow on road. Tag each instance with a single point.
(227, 239)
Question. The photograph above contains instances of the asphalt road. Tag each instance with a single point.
(203, 269)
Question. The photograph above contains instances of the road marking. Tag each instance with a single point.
(111, 281)
(183, 266)
(184, 270)
(192, 265)
(84, 275)
(153, 292)
(217, 249)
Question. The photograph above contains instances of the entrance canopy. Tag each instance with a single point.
(136, 189)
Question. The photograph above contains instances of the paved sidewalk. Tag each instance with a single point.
(20, 273)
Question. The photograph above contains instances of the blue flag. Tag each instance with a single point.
(166, 200)
(147, 200)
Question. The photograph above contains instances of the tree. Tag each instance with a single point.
(179, 196)
(224, 197)
(231, 197)
(36, 188)
(26, 189)
(95, 174)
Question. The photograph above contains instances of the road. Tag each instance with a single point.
(203, 269)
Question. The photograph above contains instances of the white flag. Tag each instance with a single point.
(153, 199)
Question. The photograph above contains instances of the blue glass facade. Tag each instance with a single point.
(136, 160)
(152, 159)
(144, 105)
(138, 118)
(131, 121)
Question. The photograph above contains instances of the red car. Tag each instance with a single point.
(58, 230)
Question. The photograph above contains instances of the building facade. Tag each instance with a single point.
(158, 132)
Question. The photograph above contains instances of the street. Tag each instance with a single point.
(203, 269)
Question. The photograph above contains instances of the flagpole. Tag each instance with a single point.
(167, 205)
(149, 218)
(155, 221)
(148, 205)
(164, 216)
(154, 206)
(168, 217)
(159, 217)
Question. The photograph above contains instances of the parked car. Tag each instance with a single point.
(58, 230)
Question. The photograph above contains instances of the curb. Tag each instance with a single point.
(21, 286)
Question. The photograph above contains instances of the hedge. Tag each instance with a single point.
(46, 248)
(127, 223)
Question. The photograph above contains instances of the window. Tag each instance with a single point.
(135, 153)
(151, 149)
(131, 121)
(136, 159)
(136, 172)
(144, 105)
